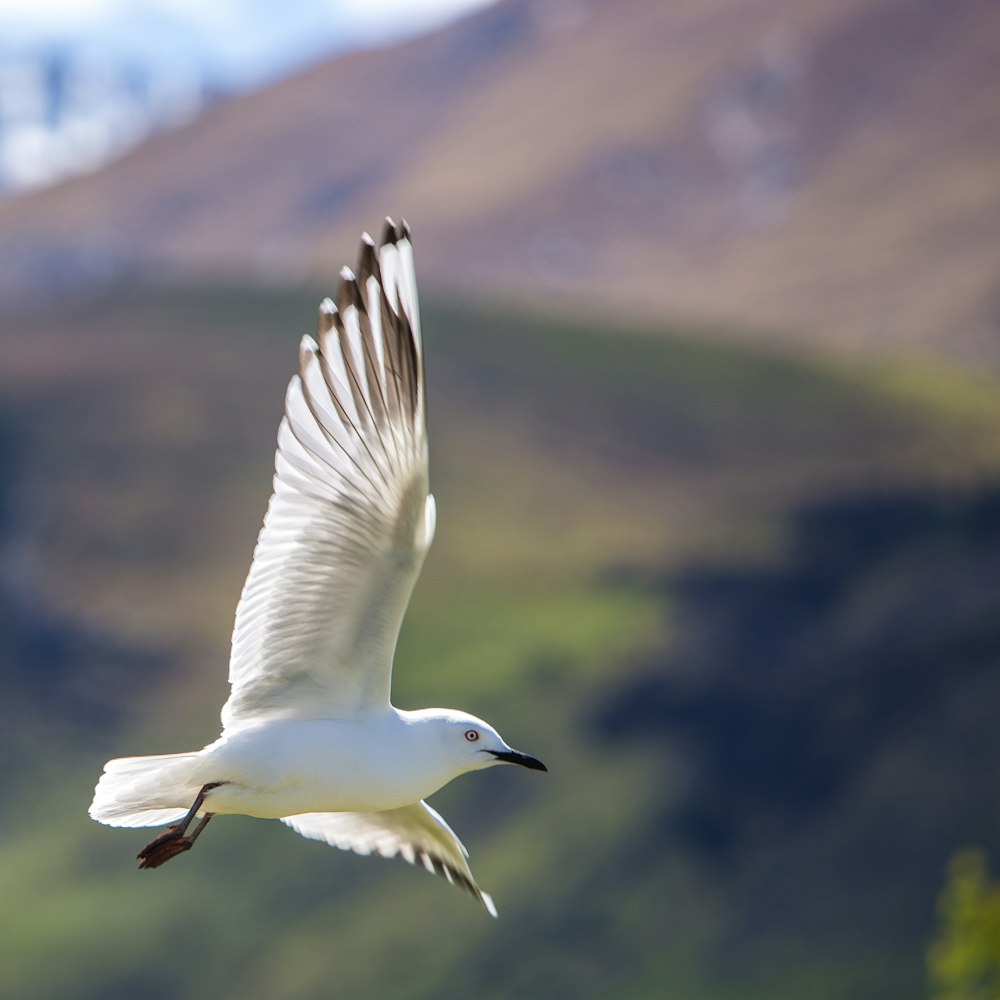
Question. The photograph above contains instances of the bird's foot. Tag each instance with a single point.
(175, 839)
(167, 845)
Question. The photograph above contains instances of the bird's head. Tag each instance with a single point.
(473, 744)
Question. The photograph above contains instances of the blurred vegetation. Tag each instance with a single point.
(964, 959)
(743, 604)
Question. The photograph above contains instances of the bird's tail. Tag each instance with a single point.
(145, 791)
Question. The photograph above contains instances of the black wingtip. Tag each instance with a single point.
(325, 320)
(348, 293)
(393, 232)
(367, 260)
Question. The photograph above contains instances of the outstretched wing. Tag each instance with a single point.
(350, 519)
(415, 833)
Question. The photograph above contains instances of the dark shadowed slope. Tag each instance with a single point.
(745, 604)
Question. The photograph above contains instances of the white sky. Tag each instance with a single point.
(242, 40)
(78, 12)
(182, 46)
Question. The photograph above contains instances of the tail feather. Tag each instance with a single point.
(144, 791)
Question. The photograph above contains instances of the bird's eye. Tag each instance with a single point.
(471, 735)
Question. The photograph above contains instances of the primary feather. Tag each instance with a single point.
(350, 519)
(415, 833)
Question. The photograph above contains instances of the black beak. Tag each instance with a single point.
(516, 757)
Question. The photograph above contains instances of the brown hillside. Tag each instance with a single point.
(823, 169)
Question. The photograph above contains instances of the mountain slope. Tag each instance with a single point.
(821, 171)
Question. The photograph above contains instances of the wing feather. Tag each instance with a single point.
(350, 518)
(415, 833)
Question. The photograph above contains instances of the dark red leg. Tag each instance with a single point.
(173, 841)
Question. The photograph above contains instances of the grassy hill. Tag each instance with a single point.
(742, 603)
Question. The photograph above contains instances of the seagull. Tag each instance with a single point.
(309, 735)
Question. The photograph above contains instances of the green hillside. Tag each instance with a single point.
(743, 604)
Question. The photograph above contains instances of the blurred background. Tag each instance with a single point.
(711, 298)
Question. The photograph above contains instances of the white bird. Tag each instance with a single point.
(309, 734)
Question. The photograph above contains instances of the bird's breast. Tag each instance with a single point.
(284, 768)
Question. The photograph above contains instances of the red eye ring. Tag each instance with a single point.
(471, 735)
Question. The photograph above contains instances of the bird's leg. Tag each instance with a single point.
(173, 840)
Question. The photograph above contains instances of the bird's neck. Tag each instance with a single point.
(422, 735)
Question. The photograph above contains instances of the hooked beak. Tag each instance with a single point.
(516, 757)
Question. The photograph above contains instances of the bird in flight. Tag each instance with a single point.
(309, 735)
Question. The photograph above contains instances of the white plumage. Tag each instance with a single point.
(309, 733)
